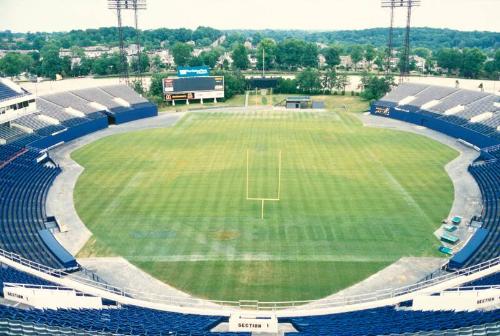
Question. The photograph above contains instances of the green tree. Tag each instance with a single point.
(51, 62)
(268, 48)
(375, 87)
(473, 62)
(329, 79)
(332, 56)
(286, 86)
(423, 52)
(449, 59)
(182, 53)
(341, 82)
(12, 64)
(370, 54)
(141, 65)
(309, 81)
(156, 63)
(107, 65)
(310, 55)
(195, 61)
(156, 86)
(240, 57)
(356, 55)
(291, 52)
(210, 58)
(82, 69)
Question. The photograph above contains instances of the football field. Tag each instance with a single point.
(182, 203)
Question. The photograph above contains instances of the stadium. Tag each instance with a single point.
(271, 213)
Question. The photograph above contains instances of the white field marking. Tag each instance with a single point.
(259, 257)
(125, 188)
(402, 190)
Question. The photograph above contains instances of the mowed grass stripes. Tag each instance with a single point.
(353, 200)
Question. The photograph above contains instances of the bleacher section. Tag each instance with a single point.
(70, 100)
(65, 116)
(11, 275)
(409, 90)
(35, 123)
(24, 185)
(8, 93)
(388, 320)
(127, 320)
(431, 94)
(9, 134)
(141, 108)
(487, 176)
(469, 115)
(458, 98)
(125, 93)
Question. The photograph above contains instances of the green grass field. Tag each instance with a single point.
(353, 200)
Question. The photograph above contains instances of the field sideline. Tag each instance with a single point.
(353, 200)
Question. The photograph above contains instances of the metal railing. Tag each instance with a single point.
(191, 302)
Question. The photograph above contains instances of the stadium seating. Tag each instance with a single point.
(388, 320)
(490, 280)
(8, 93)
(487, 176)
(140, 107)
(446, 110)
(70, 100)
(9, 134)
(102, 97)
(24, 185)
(126, 320)
(125, 93)
(35, 123)
(453, 113)
(11, 275)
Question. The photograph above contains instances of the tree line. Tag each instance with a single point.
(431, 38)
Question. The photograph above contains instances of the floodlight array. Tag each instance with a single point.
(400, 3)
(127, 4)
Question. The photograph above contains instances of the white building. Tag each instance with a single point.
(346, 61)
(420, 62)
(225, 57)
(248, 45)
(321, 60)
(165, 56)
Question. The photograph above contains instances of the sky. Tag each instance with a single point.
(64, 15)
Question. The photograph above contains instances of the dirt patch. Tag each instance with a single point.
(225, 235)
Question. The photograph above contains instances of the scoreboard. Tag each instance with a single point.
(188, 88)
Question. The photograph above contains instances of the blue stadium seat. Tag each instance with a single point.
(388, 320)
(126, 320)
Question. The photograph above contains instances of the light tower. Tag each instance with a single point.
(138, 5)
(389, 4)
(405, 57)
(405, 68)
(119, 6)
